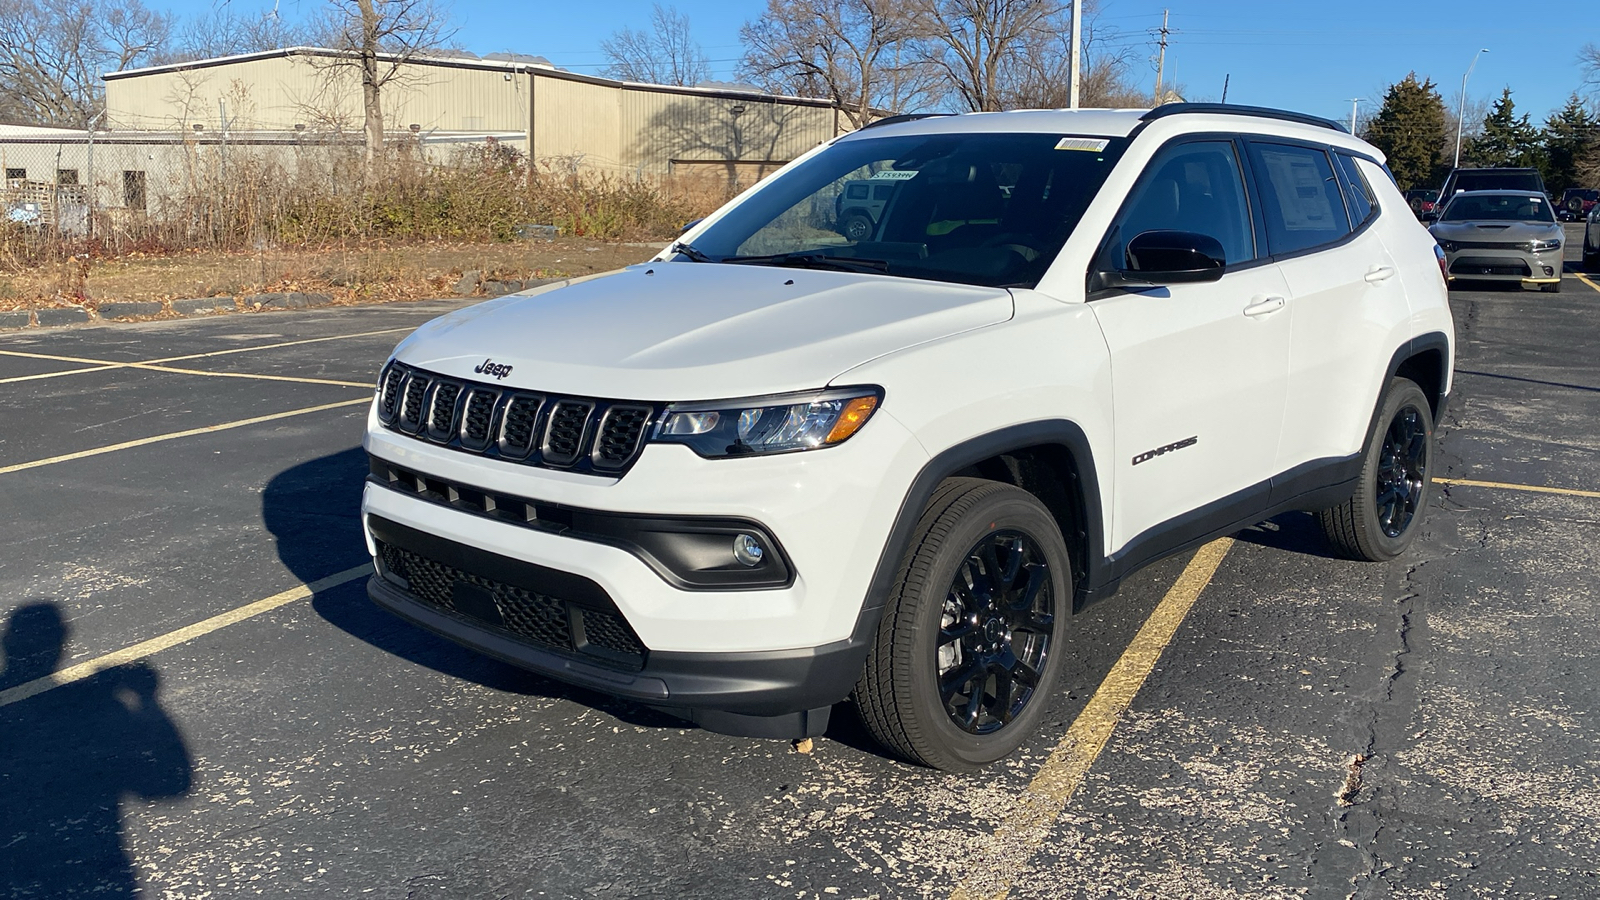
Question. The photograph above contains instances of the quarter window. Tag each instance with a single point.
(1357, 193)
(1301, 198)
(1196, 187)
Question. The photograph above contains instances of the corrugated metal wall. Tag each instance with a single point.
(607, 126)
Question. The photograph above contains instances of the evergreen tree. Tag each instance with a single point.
(1409, 129)
(1506, 139)
(1570, 135)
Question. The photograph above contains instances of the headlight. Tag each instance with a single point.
(1542, 246)
(773, 424)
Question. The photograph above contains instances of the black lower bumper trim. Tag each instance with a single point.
(779, 691)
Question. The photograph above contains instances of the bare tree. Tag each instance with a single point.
(1589, 60)
(377, 39)
(667, 54)
(52, 53)
(862, 54)
(225, 31)
(997, 53)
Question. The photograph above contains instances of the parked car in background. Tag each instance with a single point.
(1501, 236)
(1460, 180)
(1421, 202)
(1576, 203)
(860, 205)
(1591, 242)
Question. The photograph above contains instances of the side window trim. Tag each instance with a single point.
(1350, 172)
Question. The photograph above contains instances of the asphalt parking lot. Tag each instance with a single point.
(179, 522)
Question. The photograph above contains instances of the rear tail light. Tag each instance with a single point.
(1444, 265)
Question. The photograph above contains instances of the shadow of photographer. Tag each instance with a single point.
(68, 757)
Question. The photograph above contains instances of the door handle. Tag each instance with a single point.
(1379, 273)
(1263, 305)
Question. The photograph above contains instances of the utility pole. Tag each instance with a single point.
(1077, 53)
(1227, 76)
(1354, 101)
(1161, 58)
(1461, 109)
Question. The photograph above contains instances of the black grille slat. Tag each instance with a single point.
(526, 614)
(564, 436)
(620, 433)
(477, 418)
(389, 398)
(442, 414)
(579, 434)
(518, 429)
(411, 405)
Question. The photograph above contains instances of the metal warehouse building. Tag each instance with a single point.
(564, 118)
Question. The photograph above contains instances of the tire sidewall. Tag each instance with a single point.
(1012, 510)
(1402, 394)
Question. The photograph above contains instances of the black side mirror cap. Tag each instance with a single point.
(1170, 257)
(690, 224)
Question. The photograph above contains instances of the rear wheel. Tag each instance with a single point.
(1382, 517)
(969, 649)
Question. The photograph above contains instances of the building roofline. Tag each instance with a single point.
(542, 70)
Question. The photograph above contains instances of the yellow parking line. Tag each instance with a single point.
(1587, 280)
(100, 365)
(294, 378)
(1030, 820)
(173, 638)
(1504, 486)
(126, 445)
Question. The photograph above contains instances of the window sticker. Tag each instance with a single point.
(1091, 145)
(894, 175)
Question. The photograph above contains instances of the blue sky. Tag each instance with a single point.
(1311, 57)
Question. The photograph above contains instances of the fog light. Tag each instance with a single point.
(747, 550)
(1549, 270)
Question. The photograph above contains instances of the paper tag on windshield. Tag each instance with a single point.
(893, 175)
(1092, 145)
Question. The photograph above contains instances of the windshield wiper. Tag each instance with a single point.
(808, 260)
(690, 252)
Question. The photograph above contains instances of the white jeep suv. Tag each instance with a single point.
(788, 462)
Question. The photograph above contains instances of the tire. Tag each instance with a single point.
(1378, 522)
(971, 528)
(856, 227)
(1591, 263)
(1551, 288)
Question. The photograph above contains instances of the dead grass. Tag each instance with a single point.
(357, 273)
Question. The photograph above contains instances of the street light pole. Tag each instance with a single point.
(1354, 102)
(1461, 108)
(1077, 52)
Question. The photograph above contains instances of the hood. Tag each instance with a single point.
(697, 331)
(1492, 230)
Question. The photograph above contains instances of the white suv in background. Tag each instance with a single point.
(788, 462)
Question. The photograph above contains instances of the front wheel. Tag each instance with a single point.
(1382, 517)
(1552, 288)
(970, 646)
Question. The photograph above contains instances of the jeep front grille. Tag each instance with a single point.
(580, 434)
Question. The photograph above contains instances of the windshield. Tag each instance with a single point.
(1502, 181)
(988, 209)
(1499, 208)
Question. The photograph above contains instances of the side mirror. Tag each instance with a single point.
(1171, 257)
(689, 224)
(1431, 215)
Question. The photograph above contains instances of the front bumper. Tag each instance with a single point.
(1507, 264)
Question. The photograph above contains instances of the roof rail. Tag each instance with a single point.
(896, 120)
(1230, 109)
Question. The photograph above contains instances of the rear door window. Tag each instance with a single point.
(1300, 196)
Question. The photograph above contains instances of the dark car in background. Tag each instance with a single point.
(1490, 180)
(1576, 203)
(1591, 242)
(1421, 202)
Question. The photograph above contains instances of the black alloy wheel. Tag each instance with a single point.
(1402, 471)
(995, 634)
(1383, 514)
(970, 646)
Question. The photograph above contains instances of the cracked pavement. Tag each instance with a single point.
(1317, 727)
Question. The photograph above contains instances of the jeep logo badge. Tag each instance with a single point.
(490, 367)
